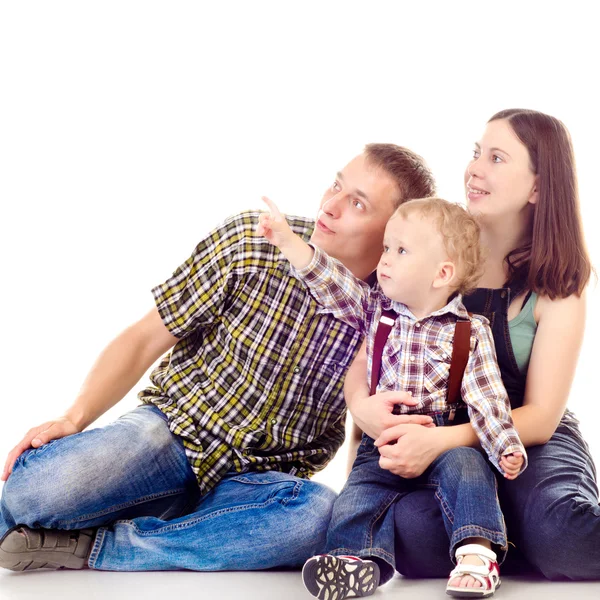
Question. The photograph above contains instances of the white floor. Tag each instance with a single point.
(273, 585)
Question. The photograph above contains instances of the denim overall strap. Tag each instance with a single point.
(493, 304)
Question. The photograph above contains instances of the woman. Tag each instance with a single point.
(522, 184)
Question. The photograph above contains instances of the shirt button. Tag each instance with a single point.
(246, 452)
(412, 358)
(273, 421)
(417, 324)
(502, 294)
(281, 266)
(296, 369)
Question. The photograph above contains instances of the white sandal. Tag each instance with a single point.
(487, 574)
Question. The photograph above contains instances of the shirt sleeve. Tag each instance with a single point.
(336, 289)
(194, 295)
(487, 400)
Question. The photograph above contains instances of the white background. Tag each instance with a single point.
(129, 129)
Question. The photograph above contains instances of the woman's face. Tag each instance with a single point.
(499, 180)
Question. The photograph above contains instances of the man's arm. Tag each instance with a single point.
(118, 368)
(192, 298)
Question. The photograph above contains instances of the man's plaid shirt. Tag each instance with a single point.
(256, 380)
(418, 353)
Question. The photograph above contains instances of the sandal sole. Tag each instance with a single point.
(464, 593)
(331, 578)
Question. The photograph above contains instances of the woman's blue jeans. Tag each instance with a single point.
(133, 481)
(464, 487)
(552, 515)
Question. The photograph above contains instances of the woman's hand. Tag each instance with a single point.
(374, 414)
(407, 450)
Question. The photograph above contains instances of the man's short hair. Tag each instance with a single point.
(460, 233)
(409, 170)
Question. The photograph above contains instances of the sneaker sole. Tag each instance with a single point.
(330, 578)
(39, 559)
(33, 560)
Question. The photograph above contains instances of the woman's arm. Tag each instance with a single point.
(355, 388)
(556, 348)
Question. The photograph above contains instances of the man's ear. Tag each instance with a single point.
(533, 198)
(445, 275)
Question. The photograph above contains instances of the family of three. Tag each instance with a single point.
(264, 355)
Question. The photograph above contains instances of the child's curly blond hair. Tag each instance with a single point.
(460, 233)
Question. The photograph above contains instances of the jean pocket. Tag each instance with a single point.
(263, 488)
(366, 446)
(265, 478)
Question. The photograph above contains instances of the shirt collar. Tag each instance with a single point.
(455, 307)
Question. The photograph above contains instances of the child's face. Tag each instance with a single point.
(413, 251)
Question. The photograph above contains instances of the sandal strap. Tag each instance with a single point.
(488, 577)
(488, 581)
(51, 539)
(463, 569)
(477, 549)
(33, 536)
(47, 539)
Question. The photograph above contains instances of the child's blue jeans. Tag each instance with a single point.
(465, 488)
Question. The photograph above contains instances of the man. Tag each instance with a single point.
(210, 473)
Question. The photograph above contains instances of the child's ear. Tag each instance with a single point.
(445, 275)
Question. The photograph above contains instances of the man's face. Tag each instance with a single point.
(413, 251)
(353, 214)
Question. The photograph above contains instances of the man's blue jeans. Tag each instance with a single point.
(464, 486)
(132, 479)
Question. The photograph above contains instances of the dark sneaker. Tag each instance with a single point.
(25, 549)
(330, 577)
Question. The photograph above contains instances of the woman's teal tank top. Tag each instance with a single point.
(522, 333)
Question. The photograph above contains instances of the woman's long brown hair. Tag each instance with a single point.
(555, 262)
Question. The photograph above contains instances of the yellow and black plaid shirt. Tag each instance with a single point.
(256, 380)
